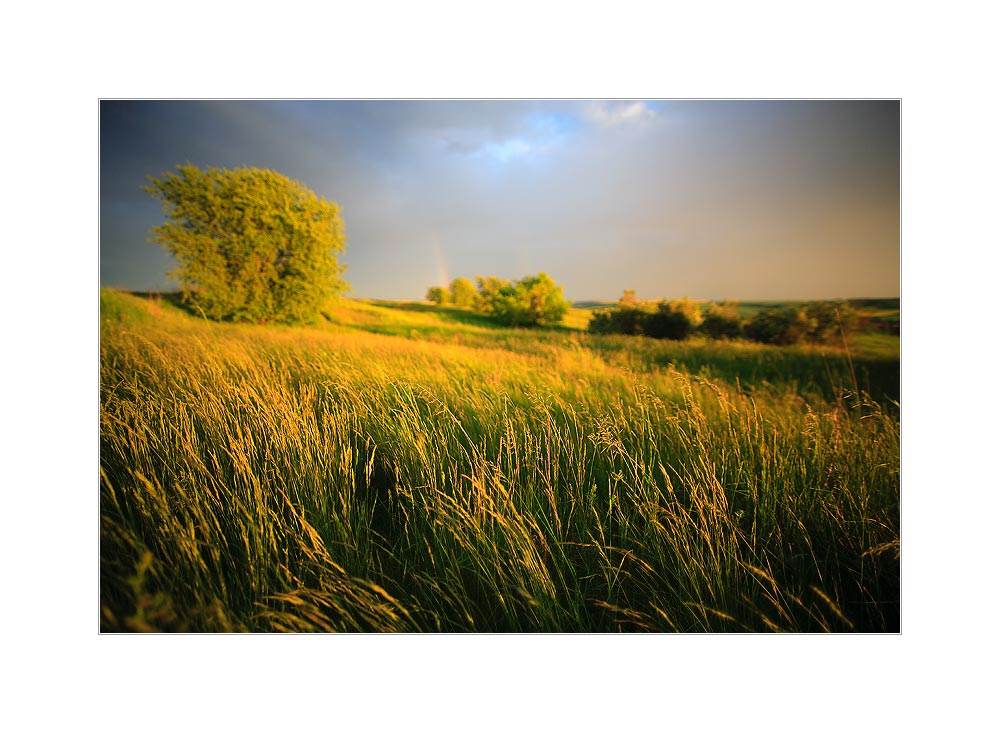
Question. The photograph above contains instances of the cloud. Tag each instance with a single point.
(521, 131)
(507, 150)
(479, 147)
(464, 147)
(611, 114)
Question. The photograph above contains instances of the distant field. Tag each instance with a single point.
(408, 467)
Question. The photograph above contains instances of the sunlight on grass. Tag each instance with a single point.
(405, 468)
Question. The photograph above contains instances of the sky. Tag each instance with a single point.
(741, 200)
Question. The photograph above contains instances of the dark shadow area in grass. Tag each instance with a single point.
(828, 376)
(879, 377)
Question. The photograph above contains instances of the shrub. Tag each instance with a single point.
(778, 326)
(673, 319)
(829, 321)
(621, 320)
(628, 317)
(668, 319)
(531, 301)
(489, 289)
(722, 321)
(439, 295)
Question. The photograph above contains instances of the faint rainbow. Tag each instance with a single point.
(442, 267)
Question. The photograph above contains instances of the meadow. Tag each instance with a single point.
(408, 467)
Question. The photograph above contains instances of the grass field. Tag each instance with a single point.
(404, 467)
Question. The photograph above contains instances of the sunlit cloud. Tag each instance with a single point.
(501, 151)
(531, 136)
(610, 114)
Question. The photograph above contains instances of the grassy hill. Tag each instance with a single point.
(408, 467)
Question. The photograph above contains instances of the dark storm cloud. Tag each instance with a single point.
(708, 199)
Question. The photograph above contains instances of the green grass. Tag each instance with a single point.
(403, 467)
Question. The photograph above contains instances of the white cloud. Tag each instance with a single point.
(608, 114)
(469, 147)
(507, 150)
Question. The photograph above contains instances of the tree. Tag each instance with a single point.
(463, 292)
(628, 299)
(829, 322)
(439, 295)
(783, 326)
(673, 319)
(629, 317)
(489, 289)
(251, 244)
(667, 319)
(722, 321)
(531, 301)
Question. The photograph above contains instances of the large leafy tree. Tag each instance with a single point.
(251, 244)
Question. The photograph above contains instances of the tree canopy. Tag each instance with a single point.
(463, 292)
(438, 294)
(666, 319)
(251, 244)
(531, 301)
(489, 289)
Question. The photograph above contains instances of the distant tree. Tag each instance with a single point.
(251, 244)
(532, 301)
(489, 289)
(722, 321)
(673, 319)
(546, 303)
(463, 292)
(601, 322)
(439, 295)
(828, 322)
(781, 326)
(667, 319)
(628, 317)
(631, 314)
(629, 300)
(819, 322)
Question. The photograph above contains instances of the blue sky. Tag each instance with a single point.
(709, 199)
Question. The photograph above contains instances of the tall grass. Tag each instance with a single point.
(260, 479)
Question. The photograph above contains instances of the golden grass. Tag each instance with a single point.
(473, 478)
